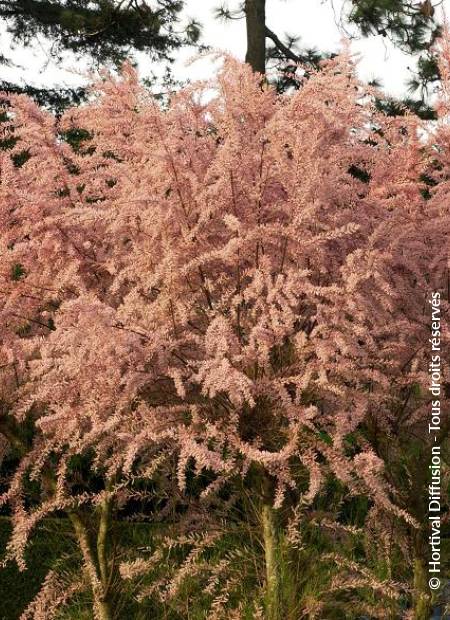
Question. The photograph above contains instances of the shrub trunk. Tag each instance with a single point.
(271, 551)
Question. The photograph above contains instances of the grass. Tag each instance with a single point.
(51, 542)
(52, 546)
(306, 575)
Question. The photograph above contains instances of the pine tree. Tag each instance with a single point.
(411, 26)
(102, 30)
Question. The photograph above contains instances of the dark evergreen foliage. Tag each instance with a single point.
(106, 31)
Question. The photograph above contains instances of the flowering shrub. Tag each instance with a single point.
(237, 279)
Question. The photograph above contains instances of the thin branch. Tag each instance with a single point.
(281, 46)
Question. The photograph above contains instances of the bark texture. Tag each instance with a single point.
(255, 14)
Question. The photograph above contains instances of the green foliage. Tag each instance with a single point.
(394, 107)
(21, 158)
(359, 173)
(51, 543)
(307, 568)
(102, 29)
(76, 137)
(409, 24)
(55, 99)
(17, 272)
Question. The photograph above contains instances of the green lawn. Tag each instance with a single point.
(17, 589)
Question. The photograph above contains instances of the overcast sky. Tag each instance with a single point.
(315, 21)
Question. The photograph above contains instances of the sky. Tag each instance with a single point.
(315, 21)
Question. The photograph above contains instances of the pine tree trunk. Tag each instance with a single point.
(255, 15)
(422, 598)
(271, 550)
